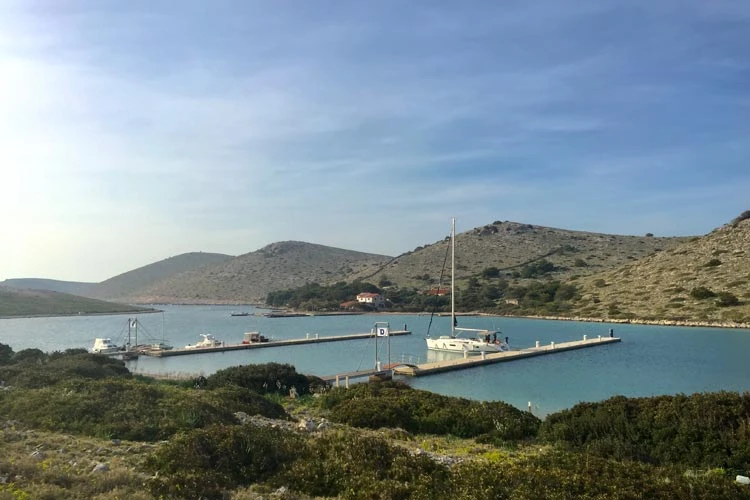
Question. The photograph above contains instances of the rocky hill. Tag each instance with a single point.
(249, 277)
(706, 279)
(509, 246)
(130, 283)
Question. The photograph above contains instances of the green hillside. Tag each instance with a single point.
(17, 302)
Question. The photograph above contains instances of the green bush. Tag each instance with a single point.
(565, 475)
(47, 370)
(701, 293)
(727, 299)
(353, 466)
(129, 409)
(264, 378)
(396, 405)
(203, 463)
(702, 430)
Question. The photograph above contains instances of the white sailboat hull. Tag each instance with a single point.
(455, 344)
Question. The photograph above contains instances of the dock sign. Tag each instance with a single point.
(383, 331)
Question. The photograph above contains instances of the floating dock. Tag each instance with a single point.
(499, 357)
(309, 339)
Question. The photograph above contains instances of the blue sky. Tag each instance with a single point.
(135, 131)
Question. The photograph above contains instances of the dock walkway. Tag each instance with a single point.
(309, 339)
(499, 357)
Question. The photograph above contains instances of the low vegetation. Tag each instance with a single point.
(18, 302)
(96, 431)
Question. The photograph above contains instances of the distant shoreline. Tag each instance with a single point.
(634, 321)
(66, 315)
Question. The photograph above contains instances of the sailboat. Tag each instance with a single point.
(484, 341)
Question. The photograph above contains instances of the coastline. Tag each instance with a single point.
(65, 315)
(633, 321)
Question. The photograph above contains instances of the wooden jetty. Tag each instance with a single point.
(499, 357)
(309, 339)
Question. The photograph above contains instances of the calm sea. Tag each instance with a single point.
(650, 360)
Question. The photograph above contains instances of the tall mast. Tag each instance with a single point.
(453, 276)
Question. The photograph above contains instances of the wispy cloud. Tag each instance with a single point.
(230, 126)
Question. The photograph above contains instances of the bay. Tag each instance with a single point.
(651, 360)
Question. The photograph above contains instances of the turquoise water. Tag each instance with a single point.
(650, 360)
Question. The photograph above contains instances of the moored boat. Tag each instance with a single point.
(485, 341)
(254, 338)
(207, 341)
(105, 346)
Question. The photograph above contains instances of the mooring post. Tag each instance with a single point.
(552, 344)
(346, 381)
(537, 344)
(584, 338)
(337, 381)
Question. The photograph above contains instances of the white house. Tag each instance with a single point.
(375, 299)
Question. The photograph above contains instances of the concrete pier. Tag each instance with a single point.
(499, 357)
(309, 339)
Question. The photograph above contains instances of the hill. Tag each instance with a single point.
(18, 302)
(125, 285)
(249, 277)
(72, 287)
(509, 246)
(705, 279)
(128, 284)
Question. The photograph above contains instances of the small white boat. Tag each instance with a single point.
(208, 341)
(105, 346)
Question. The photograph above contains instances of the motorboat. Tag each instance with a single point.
(105, 346)
(254, 338)
(207, 341)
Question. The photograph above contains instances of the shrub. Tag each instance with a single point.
(727, 299)
(743, 216)
(263, 379)
(702, 430)
(205, 462)
(349, 465)
(129, 409)
(701, 293)
(393, 404)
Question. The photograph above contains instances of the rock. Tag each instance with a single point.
(306, 425)
(100, 467)
(242, 417)
(37, 455)
(323, 425)
(116, 441)
(742, 479)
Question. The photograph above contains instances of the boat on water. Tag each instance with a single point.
(207, 341)
(105, 345)
(483, 341)
(242, 313)
(254, 338)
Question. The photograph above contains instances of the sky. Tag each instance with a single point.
(135, 131)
